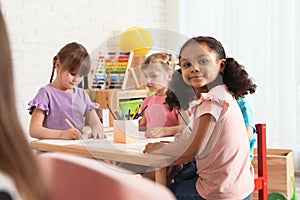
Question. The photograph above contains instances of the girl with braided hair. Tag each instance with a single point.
(62, 100)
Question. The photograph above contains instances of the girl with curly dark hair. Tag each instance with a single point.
(218, 139)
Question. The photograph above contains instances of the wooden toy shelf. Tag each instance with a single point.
(117, 78)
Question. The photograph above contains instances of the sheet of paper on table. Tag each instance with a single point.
(108, 142)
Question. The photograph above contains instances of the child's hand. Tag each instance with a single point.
(155, 132)
(71, 134)
(182, 135)
(96, 126)
(142, 128)
(142, 121)
(97, 134)
(151, 147)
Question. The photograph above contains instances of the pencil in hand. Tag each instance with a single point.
(184, 120)
(71, 125)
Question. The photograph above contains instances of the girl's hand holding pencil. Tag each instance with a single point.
(186, 131)
(72, 133)
(184, 120)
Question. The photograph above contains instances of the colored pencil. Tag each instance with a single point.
(184, 120)
(128, 116)
(71, 125)
(136, 112)
(117, 115)
(111, 112)
(138, 115)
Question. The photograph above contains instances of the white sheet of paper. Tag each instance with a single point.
(107, 143)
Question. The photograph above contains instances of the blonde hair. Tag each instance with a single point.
(72, 57)
(166, 60)
(16, 157)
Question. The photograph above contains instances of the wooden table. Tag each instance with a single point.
(107, 150)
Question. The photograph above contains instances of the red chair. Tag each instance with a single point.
(261, 182)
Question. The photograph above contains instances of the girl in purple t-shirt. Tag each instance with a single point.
(62, 101)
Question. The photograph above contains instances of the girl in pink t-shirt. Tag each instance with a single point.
(218, 140)
(158, 120)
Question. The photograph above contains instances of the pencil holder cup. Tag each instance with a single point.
(126, 131)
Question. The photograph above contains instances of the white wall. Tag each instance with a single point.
(264, 37)
(38, 29)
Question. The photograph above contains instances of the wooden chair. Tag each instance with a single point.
(73, 177)
(261, 182)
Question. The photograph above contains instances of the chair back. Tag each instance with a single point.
(73, 177)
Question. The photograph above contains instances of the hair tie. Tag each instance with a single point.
(162, 53)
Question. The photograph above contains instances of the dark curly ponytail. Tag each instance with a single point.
(237, 79)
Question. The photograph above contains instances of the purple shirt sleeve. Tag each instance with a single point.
(40, 101)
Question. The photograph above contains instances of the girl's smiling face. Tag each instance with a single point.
(200, 65)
